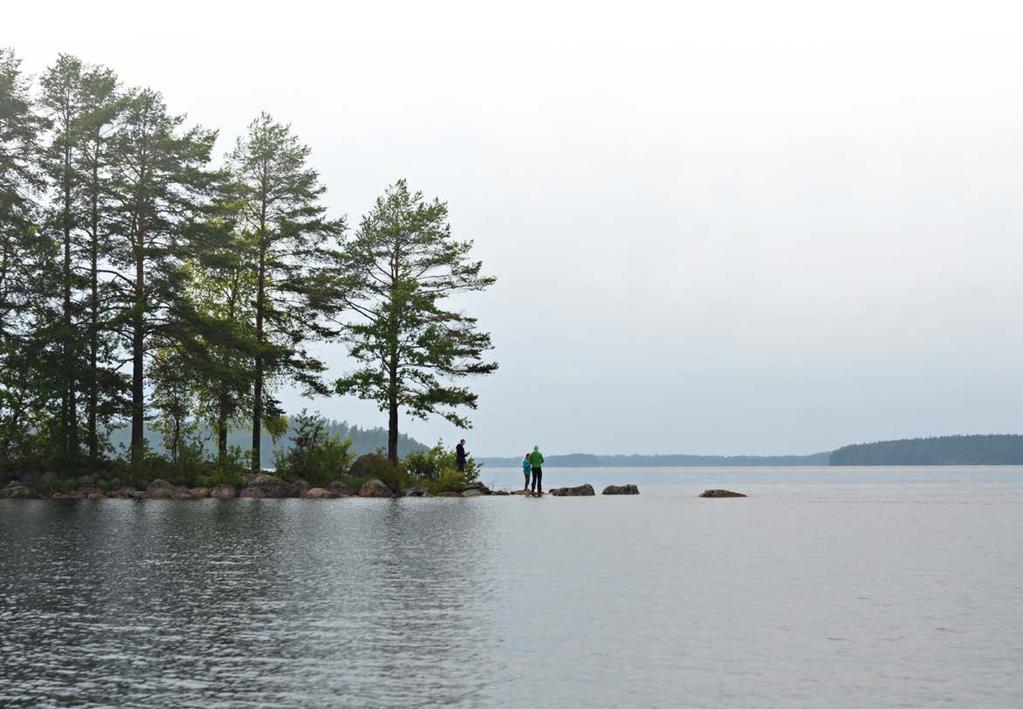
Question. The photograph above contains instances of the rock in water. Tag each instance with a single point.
(621, 490)
(16, 490)
(339, 489)
(417, 491)
(472, 492)
(264, 485)
(160, 490)
(375, 488)
(721, 493)
(577, 491)
(316, 493)
(483, 489)
(223, 492)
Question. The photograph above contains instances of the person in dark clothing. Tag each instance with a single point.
(460, 456)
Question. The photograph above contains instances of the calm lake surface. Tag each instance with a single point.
(845, 587)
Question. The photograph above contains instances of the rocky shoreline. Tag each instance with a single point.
(267, 486)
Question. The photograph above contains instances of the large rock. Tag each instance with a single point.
(199, 492)
(316, 493)
(97, 496)
(466, 487)
(472, 493)
(375, 488)
(265, 485)
(417, 491)
(720, 493)
(160, 490)
(364, 464)
(222, 492)
(577, 491)
(16, 490)
(339, 489)
(621, 490)
(181, 493)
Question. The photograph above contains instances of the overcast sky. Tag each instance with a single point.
(735, 228)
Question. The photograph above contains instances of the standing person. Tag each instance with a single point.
(460, 456)
(535, 462)
(527, 468)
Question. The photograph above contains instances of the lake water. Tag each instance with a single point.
(827, 587)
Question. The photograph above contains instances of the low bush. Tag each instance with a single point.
(315, 456)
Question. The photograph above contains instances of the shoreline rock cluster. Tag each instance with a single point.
(266, 486)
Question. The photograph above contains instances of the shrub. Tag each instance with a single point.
(432, 464)
(315, 456)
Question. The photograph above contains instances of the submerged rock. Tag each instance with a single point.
(160, 490)
(577, 491)
(222, 492)
(375, 488)
(16, 490)
(417, 491)
(721, 493)
(621, 490)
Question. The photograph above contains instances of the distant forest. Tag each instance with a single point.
(585, 460)
(942, 450)
(364, 440)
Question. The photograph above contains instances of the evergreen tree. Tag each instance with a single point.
(160, 190)
(61, 100)
(22, 250)
(101, 105)
(292, 248)
(396, 273)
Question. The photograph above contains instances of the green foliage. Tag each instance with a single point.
(315, 456)
(396, 273)
(435, 462)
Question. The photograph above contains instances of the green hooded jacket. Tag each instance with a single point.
(536, 458)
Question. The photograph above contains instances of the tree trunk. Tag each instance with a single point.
(392, 432)
(138, 358)
(69, 404)
(222, 427)
(257, 393)
(93, 393)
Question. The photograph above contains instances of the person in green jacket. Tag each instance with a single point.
(536, 461)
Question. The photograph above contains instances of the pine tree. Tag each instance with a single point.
(22, 250)
(292, 248)
(160, 190)
(397, 270)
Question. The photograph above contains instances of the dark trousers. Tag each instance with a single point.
(537, 478)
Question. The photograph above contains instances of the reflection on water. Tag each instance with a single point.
(848, 589)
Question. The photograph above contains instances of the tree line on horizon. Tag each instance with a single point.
(144, 284)
(994, 449)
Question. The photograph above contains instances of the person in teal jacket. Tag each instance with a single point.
(536, 463)
(527, 468)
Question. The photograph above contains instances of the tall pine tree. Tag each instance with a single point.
(160, 190)
(292, 249)
(397, 270)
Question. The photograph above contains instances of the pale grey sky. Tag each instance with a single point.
(729, 227)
